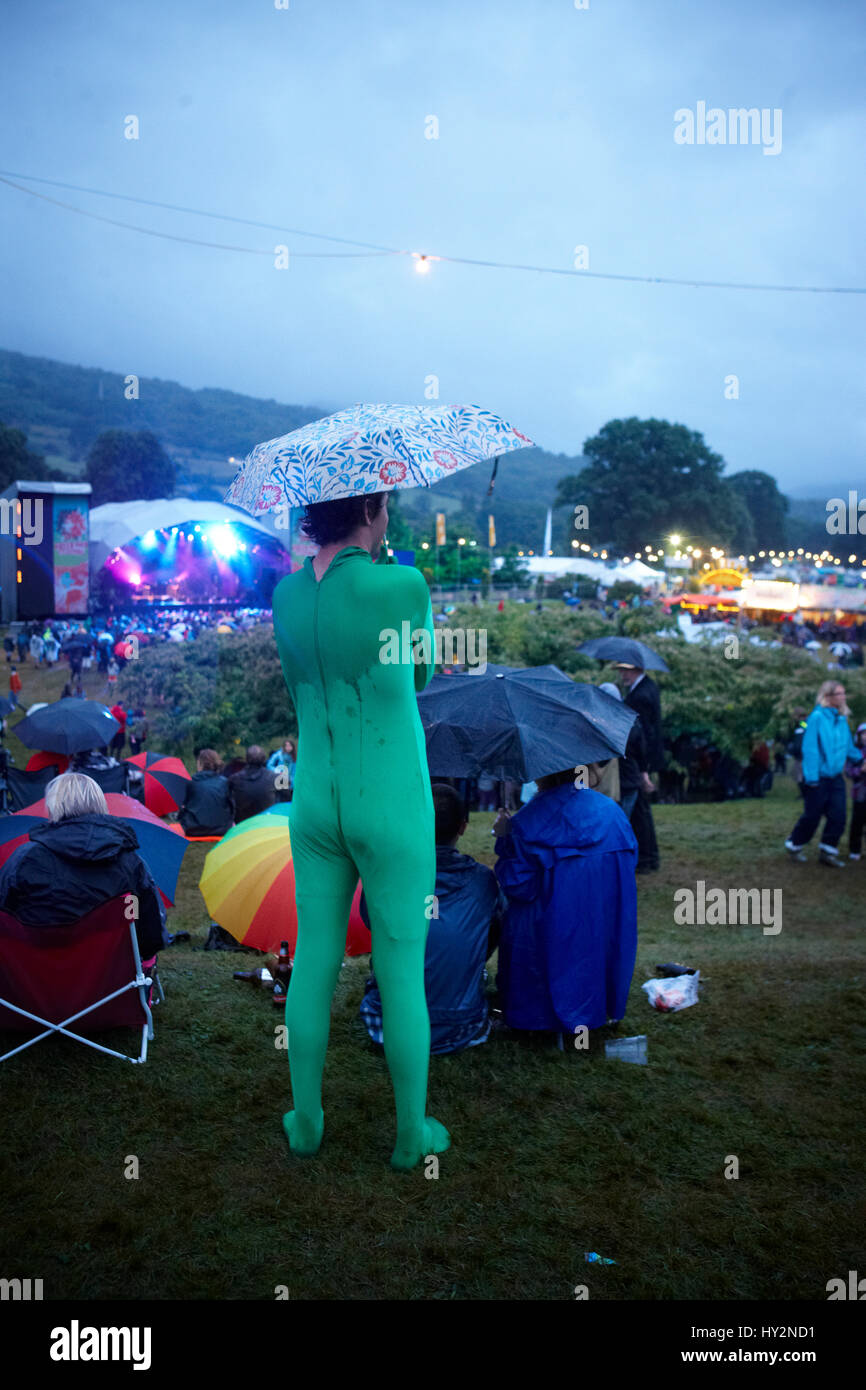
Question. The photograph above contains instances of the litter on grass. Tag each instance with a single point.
(628, 1049)
(674, 993)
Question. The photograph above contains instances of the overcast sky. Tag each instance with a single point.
(555, 130)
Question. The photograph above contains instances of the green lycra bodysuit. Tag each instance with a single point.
(361, 807)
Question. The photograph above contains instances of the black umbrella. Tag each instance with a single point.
(519, 724)
(77, 643)
(625, 649)
(68, 726)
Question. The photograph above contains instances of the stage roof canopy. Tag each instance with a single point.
(117, 524)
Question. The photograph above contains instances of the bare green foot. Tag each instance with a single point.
(304, 1135)
(434, 1140)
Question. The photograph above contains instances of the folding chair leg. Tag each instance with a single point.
(141, 983)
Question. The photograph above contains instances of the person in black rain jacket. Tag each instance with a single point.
(82, 857)
(208, 808)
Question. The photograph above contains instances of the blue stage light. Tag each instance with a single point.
(224, 541)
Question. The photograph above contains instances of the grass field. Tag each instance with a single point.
(554, 1153)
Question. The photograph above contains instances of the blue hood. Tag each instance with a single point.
(573, 820)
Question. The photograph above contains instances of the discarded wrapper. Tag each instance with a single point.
(594, 1259)
(675, 993)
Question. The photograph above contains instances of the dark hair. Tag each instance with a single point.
(555, 779)
(325, 522)
(256, 756)
(449, 811)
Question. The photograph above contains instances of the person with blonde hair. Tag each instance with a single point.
(827, 746)
(82, 857)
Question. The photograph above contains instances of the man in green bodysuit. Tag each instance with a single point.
(362, 767)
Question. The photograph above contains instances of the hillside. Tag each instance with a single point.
(62, 408)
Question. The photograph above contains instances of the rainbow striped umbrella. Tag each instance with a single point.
(248, 884)
(165, 781)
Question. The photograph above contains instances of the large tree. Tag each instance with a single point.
(648, 479)
(123, 466)
(19, 462)
(767, 506)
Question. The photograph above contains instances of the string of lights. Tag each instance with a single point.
(719, 558)
(190, 241)
(424, 261)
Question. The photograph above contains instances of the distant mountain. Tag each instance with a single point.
(808, 492)
(62, 409)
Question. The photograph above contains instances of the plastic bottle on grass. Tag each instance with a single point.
(628, 1049)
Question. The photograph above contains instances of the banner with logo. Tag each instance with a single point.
(70, 554)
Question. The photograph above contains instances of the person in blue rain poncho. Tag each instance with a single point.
(566, 863)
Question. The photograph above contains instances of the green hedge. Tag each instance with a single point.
(226, 692)
(216, 692)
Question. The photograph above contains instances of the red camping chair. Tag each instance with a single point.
(91, 969)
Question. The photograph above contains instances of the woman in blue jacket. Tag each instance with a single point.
(827, 745)
(566, 863)
(284, 760)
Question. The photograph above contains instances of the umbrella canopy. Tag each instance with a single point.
(68, 726)
(79, 641)
(248, 884)
(841, 648)
(625, 649)
(370, 448)
(519, 724)
(162, 846)
(165, 781)
(40, 760)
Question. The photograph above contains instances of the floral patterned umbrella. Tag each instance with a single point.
(370, 448)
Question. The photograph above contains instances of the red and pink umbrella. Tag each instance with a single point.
(40, 760)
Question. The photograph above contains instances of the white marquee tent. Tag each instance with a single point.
(555, 566)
